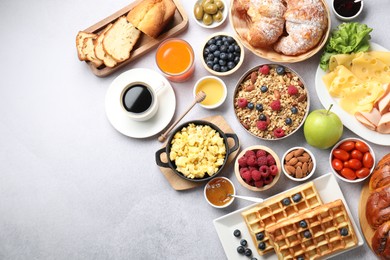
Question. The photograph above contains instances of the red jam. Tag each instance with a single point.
(347, 8)
(217, 191)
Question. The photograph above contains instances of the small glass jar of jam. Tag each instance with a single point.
(217, 192)
(347, 9)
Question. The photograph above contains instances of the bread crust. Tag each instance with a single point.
(381, 241)
(381, 175)
(99, 50)
(378, 207)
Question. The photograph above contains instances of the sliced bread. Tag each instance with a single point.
(89, 51)
(120, 39)
(81, 36)
(99, 50)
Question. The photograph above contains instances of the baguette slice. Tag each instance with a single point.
(99, 50)
(89, 51)
(81, 36)
(120, 39)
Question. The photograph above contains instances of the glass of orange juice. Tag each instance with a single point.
(175, 59)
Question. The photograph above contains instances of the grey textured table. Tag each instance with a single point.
(71, 186)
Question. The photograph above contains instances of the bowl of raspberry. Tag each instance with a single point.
(271, 101)
(257, 168)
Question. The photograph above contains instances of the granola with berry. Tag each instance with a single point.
(271, 102)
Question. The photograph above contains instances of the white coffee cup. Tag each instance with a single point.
(139, 100)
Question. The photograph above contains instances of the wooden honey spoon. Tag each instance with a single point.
(199, 97)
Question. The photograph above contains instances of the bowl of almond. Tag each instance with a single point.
(271, 101)
(298, 164)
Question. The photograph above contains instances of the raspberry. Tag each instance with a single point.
(270, 160)
(275, 105)
(262, 160)
(251, 160)
(244, 169)
(250, 153)
(260, 153)
(278, 132)
(292, 90)
(242, 162)
(262, 125)
(256, 175)
(264, 171)
(264, 69)
(268, 180)
(242, 102)
(273, 169)
(259, 183)
(246, 176)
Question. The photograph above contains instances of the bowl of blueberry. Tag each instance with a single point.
(222, 54)
(271, 101)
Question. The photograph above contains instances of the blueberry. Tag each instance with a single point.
(230, 56)
(248, 252)
(209, 64)
(218, 37)
(223, 56)
(237, 48)
(230, 49)
(224, 38)
(288, 121)
(216, 67)
(297, 197)
(218, 42)
(344, 231)
(224, 68)
(294, 110)
(261, 246)
(211, 41)
(223, 48)
(243, 242)
(286, 201)
(231, 65)
(260, 236)
(206, 52)
(259, 107)
(241, 249)
(303, 224)
(237, 233)
(210, 57)
(307, 234)
(222, 62)
(262, 117)
(230, 39)
(213, 47)
(264, 89)
(236, 59)
(300, 257)
(217, 53)
(250, 105)
(280, 70)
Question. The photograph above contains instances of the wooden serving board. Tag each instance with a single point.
(368, 232)
(145, 43)
(181, 184)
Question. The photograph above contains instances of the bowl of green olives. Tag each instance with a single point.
(222, 54)
(210, 13)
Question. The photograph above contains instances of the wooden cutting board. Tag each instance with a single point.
(145, 43)
(181, 184)
(368, 232)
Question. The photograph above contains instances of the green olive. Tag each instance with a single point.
(210, 8)
(205, 2)
(218, 16)
(207, 19)
(219, 4)
(198, 12)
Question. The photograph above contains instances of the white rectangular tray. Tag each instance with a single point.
(328, 189)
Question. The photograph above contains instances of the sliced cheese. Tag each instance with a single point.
(341, 82)
(367, 67)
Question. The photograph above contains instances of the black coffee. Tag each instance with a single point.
(137, 99)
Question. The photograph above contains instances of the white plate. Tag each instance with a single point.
(329, 191)
(349, 120)
(125, 125)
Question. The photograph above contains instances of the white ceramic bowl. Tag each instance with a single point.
(313, 160)
(214, 24)
(339, 175)
(345, 18)
(215, 184)
(220, 73)
(209, 91)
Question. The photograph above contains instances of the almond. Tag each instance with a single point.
(310, 166)
(249, 88)
(253, 77)
(289, 156)
(277, 94)
(304, 168)
(292, 161)
(303, 159)
(289, 169)
(298, 152)
(298, 172)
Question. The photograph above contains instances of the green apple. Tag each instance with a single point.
(322, 128)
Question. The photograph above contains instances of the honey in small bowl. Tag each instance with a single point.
(217, 192)
(215, 90)
(175, 59)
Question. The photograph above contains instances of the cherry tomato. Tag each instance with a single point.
(361, 146)
(347, 146)
(346, 164)
(355, 164)
(368, 160)
(356, 154)
(341, 154)
(363, 172)
(337, 164)
(348, 173)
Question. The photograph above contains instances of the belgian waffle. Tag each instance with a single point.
(273, 210)
(314, 234)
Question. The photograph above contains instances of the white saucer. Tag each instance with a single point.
(125, 125)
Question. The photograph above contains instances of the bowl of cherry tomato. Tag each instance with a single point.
(352, 160)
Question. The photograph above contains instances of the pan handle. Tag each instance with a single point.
(158, 158)
(236, 143)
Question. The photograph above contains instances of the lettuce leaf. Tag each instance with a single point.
(347, 38)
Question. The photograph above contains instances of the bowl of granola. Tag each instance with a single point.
(271, 101)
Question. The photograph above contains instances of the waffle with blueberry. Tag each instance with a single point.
(277, 209)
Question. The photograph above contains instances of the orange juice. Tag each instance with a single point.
(215, 91)
(175, 58)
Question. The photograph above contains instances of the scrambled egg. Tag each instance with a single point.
(197, 150)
